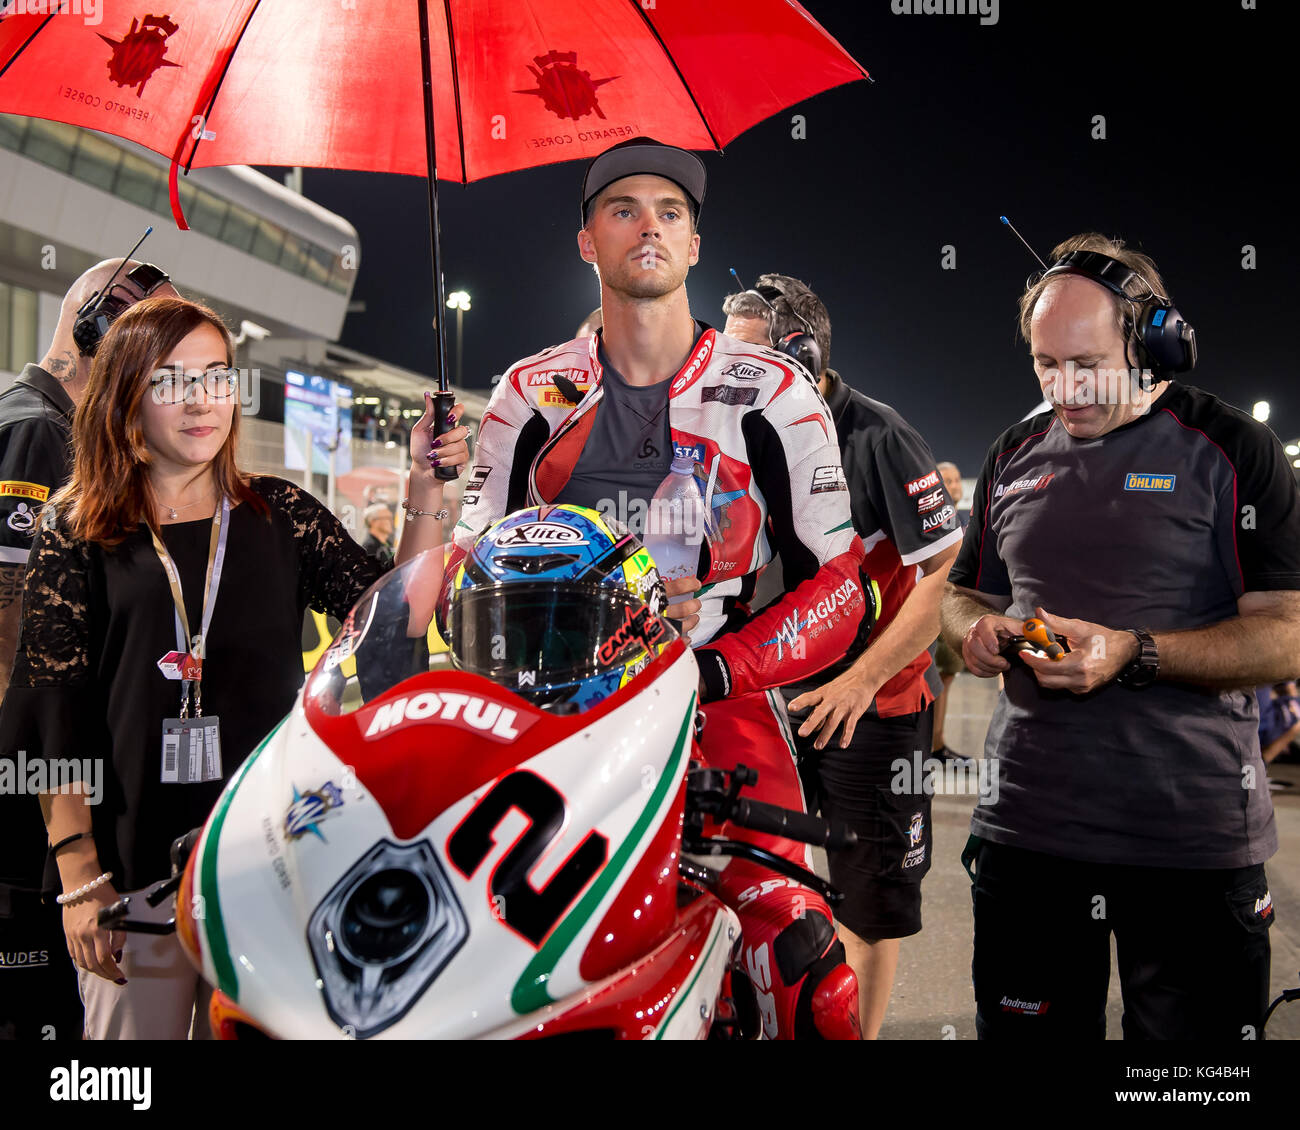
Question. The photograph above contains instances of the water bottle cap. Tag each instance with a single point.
(683, 463)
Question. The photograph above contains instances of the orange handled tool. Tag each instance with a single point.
(1039, 633)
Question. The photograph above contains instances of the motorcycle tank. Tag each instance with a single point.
(418, 852)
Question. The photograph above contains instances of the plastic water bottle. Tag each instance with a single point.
(674, 527)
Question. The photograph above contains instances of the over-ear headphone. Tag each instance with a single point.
(1164, 339)
(802, 346)
(102, 308)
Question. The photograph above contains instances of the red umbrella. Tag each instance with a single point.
(507, 84)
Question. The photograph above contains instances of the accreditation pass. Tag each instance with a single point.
(191, 750)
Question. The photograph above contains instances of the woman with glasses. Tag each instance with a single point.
(161, 636)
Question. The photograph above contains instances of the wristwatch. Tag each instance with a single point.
(1145, 666)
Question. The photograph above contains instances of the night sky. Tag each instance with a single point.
(964, 122)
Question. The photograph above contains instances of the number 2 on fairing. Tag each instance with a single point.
(529, 912)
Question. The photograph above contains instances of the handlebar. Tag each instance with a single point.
(716, 793)
(761, 817)
(118, 916)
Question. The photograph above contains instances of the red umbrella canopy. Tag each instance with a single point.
(337, 83)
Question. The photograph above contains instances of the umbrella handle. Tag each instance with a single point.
(443, 402)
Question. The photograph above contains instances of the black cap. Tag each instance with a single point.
(645, 156)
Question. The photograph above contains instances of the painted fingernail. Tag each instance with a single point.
(117, 956)
(433, 459)
(451, 421)
(436, 443)
(120, 981)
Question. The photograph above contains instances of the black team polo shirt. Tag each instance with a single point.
(1161, 524)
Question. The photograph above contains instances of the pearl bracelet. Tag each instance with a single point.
(82, 892)
(412, 512)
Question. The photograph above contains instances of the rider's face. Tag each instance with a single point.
(640, 237)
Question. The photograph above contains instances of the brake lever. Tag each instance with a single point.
(698, 845)
(117, 917)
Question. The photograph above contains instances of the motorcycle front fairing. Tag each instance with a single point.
(418, 852)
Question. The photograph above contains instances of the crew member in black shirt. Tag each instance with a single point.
(1157, 529)
(856, 720)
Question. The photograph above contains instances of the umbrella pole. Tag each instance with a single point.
(443, 399)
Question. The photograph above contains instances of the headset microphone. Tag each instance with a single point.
(1164, 339)
(102, 308)
(803, 346)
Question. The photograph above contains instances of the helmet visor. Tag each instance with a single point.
(551, 632)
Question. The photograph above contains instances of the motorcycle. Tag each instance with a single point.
(417, 852)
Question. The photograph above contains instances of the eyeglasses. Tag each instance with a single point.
(171, 386)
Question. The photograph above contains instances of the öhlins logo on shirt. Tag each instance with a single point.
(1134, 480)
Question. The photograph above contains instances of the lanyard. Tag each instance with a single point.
(195, 645)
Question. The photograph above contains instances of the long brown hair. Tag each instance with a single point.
(110, 494)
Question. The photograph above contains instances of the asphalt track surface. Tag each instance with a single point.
(932, 997)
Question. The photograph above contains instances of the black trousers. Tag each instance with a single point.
(39, 999)
(1192, 948)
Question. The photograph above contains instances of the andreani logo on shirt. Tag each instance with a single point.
(1135, 481)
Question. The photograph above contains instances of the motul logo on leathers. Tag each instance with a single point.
(468, 712)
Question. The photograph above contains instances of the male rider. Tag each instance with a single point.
(596, 421)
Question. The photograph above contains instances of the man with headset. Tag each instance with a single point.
(873, 707)
(1157, 531)
(40, 991)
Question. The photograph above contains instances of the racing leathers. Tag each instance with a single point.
(768, 465)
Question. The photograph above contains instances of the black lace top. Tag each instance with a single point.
(95, 622)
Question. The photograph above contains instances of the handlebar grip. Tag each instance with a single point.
(109, 917)
(443, 402)
(792, 825)
(182, 846)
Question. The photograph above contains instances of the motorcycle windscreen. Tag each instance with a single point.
(547, 640)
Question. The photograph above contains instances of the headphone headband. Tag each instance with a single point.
(1165, 340)
(1114, 275)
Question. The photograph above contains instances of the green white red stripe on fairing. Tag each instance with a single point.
(214, 924)
(531, 991)
(692, 1011)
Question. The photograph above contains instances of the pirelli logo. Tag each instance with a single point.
(1135, 481)
(12, 488)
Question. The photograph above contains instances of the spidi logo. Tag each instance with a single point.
(695, 368)
(481, 716)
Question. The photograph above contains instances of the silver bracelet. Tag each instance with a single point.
(82, 892)
(412, 512)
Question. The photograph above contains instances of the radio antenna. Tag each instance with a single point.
(1024, 241)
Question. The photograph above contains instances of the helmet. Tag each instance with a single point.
(560, 605)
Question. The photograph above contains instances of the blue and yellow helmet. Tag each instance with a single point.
(560, 605)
